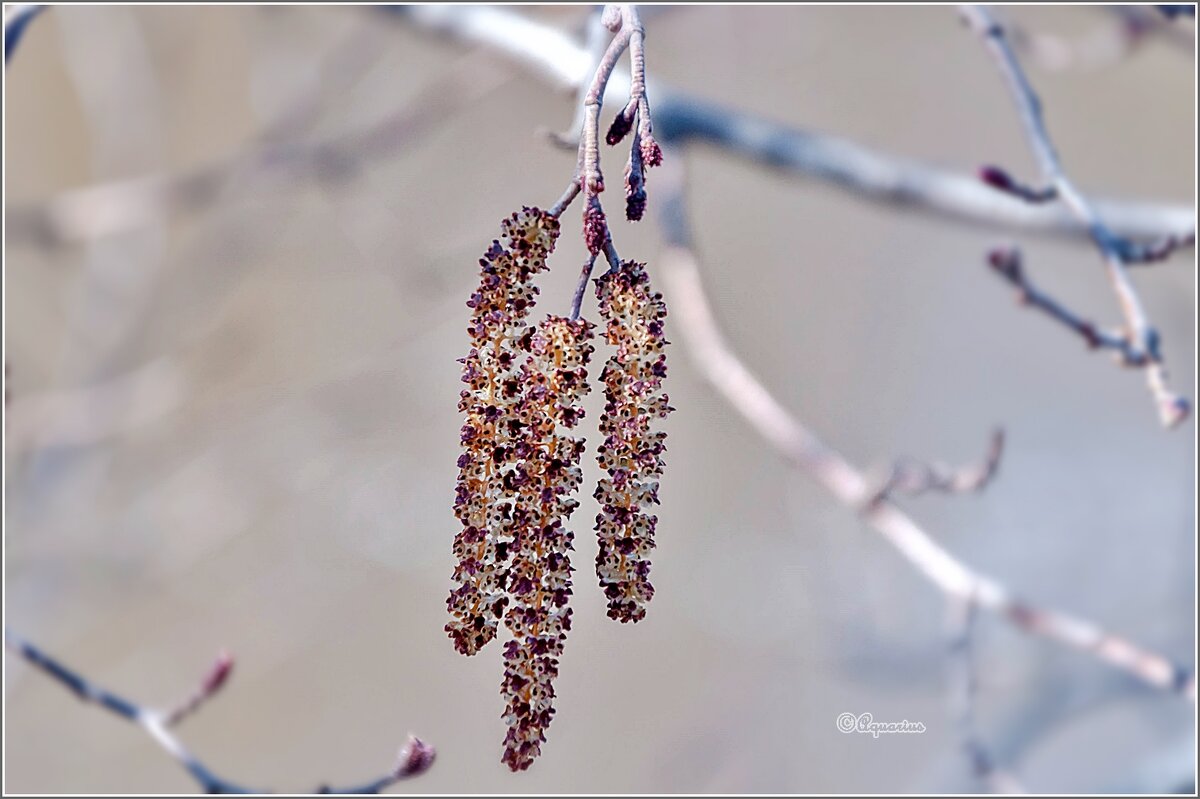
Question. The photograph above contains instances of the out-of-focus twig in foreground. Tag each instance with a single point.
(415, 756)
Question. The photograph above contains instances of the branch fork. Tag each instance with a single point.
(622, 20)
(415, 756)
(1138, 343)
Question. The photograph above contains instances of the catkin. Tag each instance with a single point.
(631, 451)
(546, 475)
(492, 372)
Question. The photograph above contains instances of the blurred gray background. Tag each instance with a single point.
(234, 425)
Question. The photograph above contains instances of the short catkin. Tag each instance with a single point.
(631, 451)
(492, 371)
(546, 475)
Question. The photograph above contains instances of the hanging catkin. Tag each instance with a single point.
(631, 451)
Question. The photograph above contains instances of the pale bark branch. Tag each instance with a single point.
(561, 61)
(721, 367)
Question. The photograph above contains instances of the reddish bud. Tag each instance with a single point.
(651, 152)
(595, 228)
(218, 674)
(1006, 261)
(619, 129)
(415, 758)
(996, 177)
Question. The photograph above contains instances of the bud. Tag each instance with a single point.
(996, 177)
(621, 125)
(651, 152)
(218, 674)
(595, 226)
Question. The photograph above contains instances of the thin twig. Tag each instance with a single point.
(111, 208)
(913, 477)
(557, 58)
(626, 26)
(596, 44)
(1154, 251)
(1007, 262)
(218, 674)
(961, 615)
(585, 274)
(415, 756)
(718, 364)
(1142, 336)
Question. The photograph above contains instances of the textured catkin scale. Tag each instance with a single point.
(543, 479)
(492, 372)
(631, 451)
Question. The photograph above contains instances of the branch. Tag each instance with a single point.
(107, 209)
(720, 366)
(415, 756)
(1142, 338)
(1006, 262)
(961, 617)
(914, 477)
(626, 26)
(557, 58)
(17, 17)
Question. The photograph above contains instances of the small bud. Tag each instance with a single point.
(1006, 261)
(1173, 411)
(218, 674)
(415, 758)
(1000, 180)
(996, 177)
(621, 125)
(651, 152)
(595, 227)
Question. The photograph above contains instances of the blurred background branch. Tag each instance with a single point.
(280, 392)
(1141, 338)
(963, 588)
(553, 55)
(414, 759)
